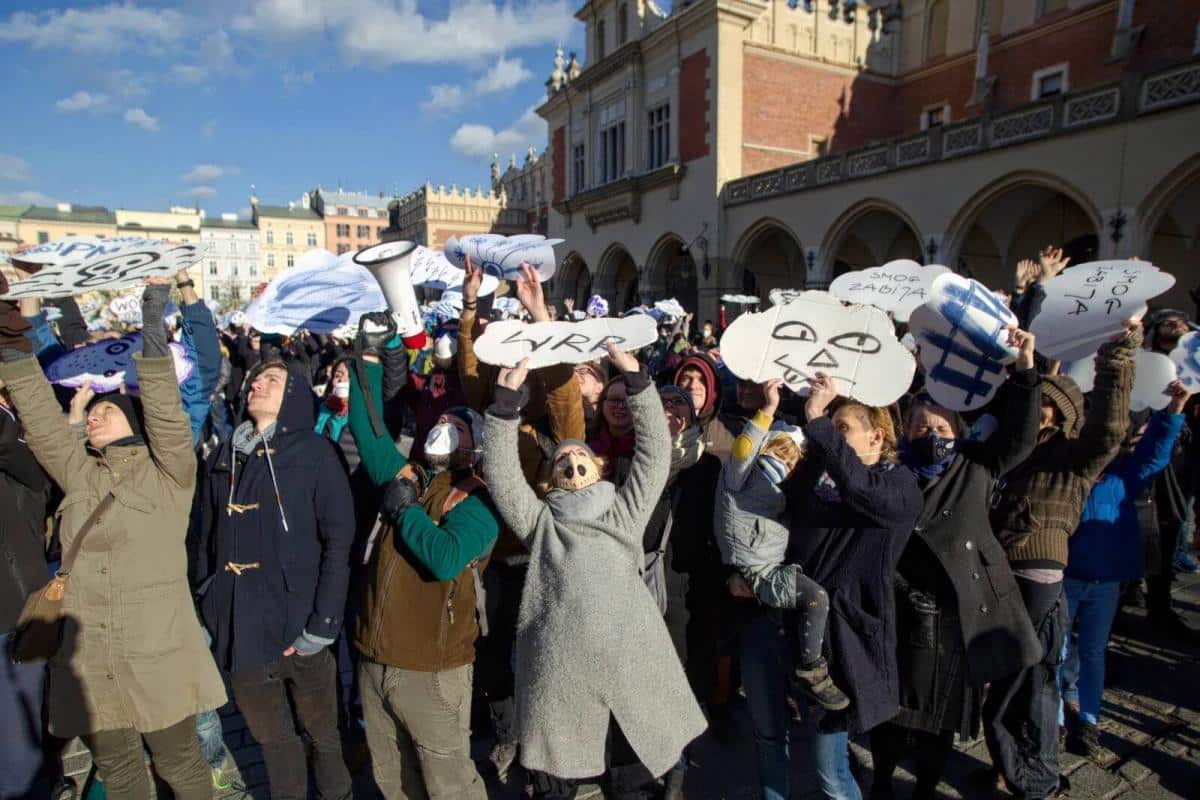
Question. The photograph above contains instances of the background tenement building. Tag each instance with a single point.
(741, 145)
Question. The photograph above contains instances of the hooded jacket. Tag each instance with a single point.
(24, 494)
(277, 528)
(1039, 505)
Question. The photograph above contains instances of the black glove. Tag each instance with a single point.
(375, 330)
(398, 495)
(154, 335)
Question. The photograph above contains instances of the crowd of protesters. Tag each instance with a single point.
(594, 557)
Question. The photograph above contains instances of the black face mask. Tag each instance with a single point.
(931, 448)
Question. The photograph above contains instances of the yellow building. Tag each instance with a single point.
(285, 233)
(42, 224)
(430, 215)
(177, 225)
(10, 217)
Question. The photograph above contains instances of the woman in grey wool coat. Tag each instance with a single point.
(591, 642)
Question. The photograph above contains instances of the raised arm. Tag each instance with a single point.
(466, 533)
(1107, 415)
(745, 450)
(378, 452)
(651, 450)
(168, 428)
(515, 500)
(475, 388)
(1017, 434)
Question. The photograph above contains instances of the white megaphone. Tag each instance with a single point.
(388, 264)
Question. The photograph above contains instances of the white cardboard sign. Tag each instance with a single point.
(432, 270)
(897, 286)
(127, 308)
(671, 308)
(108, 363)
(854, 345)
(781, 297)
(547, 343)
(1088, 304)
(1152, 373)
(320, 294)
(1186, 357)
(73, 266)
(962, 334)
(740, 299)
(502, 256)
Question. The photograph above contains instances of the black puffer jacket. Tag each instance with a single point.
(24, 496)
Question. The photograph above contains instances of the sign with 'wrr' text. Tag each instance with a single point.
(504, 344)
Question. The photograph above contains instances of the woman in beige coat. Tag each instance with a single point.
(133, 664)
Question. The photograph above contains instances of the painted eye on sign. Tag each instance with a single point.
(107, 364)
(856, 346)
(502, 256)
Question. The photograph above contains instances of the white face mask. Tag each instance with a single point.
(341, 390)
(442, 440)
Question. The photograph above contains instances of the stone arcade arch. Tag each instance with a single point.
(671, 272)
(768, 256)
(573, 280)
(617, 279)
(1170, 233)
(871, 233)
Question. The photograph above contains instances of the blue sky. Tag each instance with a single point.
(149, 104)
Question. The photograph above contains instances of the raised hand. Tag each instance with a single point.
(513, 377)
(823, 393)
(770, 391)
(1052, 262)
(1027, 273)
(570, 304)
(471, 283)
(77, 414)
(625, 362)
(1179, 396)
(1025, 342)
(531, 295)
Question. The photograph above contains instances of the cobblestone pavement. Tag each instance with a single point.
(1151, 726)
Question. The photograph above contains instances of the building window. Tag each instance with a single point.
(43, 237)
(1049, 82)
(270, 261)
(342, 248)
(818, 146)
(600, 40)
(215, 293)
(935, 116)
(252, 247)
(612, 152)
(270, 237)
(311, 239)
(342, 211)
(210, 246)
(343, 231)
(291, 260)
(382, 214)
(622, 24)
(288, 238)
(212, 268)
(660, 136)
(362, 212)
(253, 268)
(233, 248)
(233, 268)
(936, 22)
(363, 231)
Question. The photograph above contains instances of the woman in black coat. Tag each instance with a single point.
(961, 621)
(851, 511)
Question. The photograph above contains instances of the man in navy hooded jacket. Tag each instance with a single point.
(278, 524)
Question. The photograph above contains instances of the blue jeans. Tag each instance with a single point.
(208, 729)
(1091, 606)
(23, 765)
(767, 664)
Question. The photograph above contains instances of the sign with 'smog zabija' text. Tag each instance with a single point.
(504, 344)
(897, 287)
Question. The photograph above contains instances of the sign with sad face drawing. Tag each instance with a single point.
(854, 345)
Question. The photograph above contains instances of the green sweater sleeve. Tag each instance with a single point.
(379, 455)
(466, 533)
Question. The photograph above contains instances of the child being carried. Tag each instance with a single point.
(752, 538)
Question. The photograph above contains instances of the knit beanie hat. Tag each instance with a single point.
(708, 371)
(1064, 394)
(129, 406)
(569, 443)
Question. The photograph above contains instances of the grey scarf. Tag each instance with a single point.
(586, 504)
(245, 437)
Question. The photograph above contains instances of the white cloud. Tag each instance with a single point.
(82, 101)
(111, 28)
(14, 169)
(189, 73)
(444, 98)
(207, 173)
(481, 141)
(389, 32)
(505, 74)
(26, 198)
(199, 193)
(140, 119)
(292, 78)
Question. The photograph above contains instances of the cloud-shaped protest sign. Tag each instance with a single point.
(1152, 373)
(546, 343)
(320, 294)
(1186, 357)
(1088, 304)
(897, 286)
(502, 256)
(71, 266)
(815, 332)
(108, 363)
